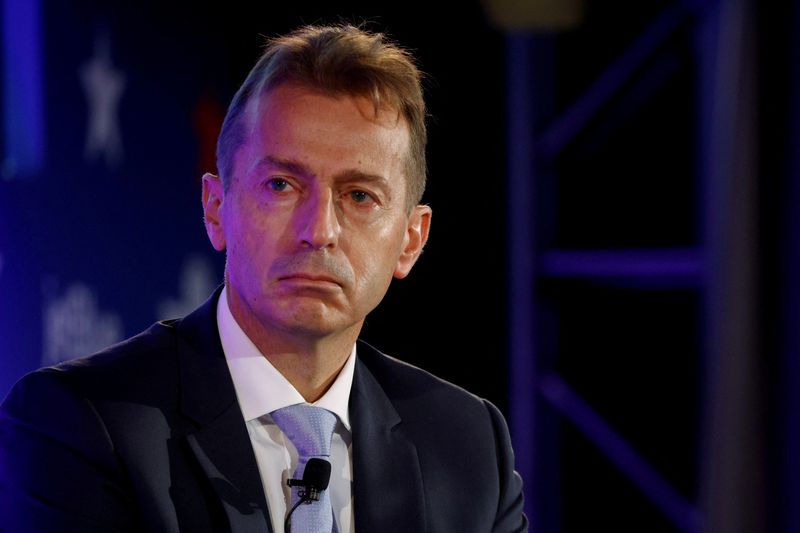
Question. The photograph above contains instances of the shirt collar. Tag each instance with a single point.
(260, 387)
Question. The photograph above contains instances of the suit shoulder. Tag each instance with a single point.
(157, 339)
(409, 383)
(114, 368)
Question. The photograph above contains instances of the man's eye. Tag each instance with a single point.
(278, 184)
(360, 196)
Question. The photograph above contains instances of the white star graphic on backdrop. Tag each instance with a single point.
(74, 324)
(103, 86)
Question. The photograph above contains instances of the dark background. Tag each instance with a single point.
(661, 288)
(139, 217)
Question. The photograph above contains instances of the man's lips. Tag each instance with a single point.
(310, 278)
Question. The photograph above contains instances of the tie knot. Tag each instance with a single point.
(309, 428)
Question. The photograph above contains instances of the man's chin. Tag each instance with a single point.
(313, 319)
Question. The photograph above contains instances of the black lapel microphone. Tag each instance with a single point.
(316, 477)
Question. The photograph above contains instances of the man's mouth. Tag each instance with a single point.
(302, 277)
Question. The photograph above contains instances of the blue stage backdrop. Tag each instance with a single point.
(110, 113)
(107, 130)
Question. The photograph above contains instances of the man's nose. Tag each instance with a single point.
(319, 222)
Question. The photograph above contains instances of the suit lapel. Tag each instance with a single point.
(387, 479)
(221, 443)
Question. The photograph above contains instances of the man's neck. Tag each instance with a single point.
(311, 374)
(310, 364)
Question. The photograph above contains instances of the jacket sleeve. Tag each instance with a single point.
(58, 470)
(510, 515)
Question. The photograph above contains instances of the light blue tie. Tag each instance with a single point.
(310, 429)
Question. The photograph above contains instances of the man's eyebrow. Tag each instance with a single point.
(291, 166)
(357, 175)
(298, 168)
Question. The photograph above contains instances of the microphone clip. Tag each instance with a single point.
(316, 476)
(308, 492)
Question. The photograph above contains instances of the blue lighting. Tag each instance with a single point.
(22, 92)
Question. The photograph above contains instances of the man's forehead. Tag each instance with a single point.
(371, 106)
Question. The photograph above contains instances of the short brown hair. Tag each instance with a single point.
(337, 60)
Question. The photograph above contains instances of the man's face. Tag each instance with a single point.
(314, 221)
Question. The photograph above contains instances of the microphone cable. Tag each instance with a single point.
(316, 477)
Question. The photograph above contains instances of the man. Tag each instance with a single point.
(322, 167)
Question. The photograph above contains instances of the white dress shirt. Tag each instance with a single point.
(261, 389)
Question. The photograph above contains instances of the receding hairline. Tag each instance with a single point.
(248, 121)
(383, 71)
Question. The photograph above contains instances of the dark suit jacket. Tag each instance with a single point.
(148, 436)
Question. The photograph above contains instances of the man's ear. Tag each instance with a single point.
(213, 195)
(419, 224)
